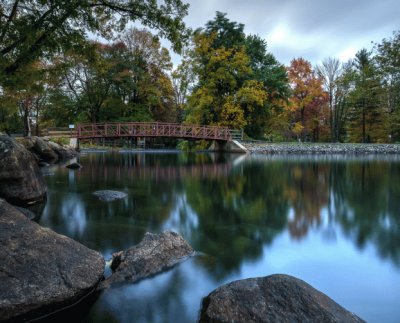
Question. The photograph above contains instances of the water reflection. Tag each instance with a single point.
(235, 211)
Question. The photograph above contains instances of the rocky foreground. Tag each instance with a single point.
(21, 182)
(154, 254)
(275, 298)
(40, 270)
(320, 148)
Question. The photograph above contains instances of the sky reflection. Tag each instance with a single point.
(332, 222)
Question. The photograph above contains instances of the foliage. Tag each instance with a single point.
(238, 81)
(307, 106)
(367, 119)
(31, 30)
(329, 71)
(387, 58)
(124, 81)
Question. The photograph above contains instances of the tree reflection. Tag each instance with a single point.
(238, 214)
(367, 203)
(225, 209)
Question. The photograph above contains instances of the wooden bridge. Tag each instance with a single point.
(154, 129)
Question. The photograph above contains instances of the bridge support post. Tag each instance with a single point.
(74, 143)
(228, 147)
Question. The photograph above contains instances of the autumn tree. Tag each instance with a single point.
(237, 79)
(307, 104)
(151, 65)
(221, 73)
(123, 81)
(27, 96)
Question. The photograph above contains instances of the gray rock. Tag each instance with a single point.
(108, 196)
(20, 179)
(40, 270)
(74, 166)
(154, 254)
(62, 152)
(40, 148)
(275, 298)
(321, 148)
(28, 213)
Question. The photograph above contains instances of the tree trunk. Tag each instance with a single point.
(27, 124)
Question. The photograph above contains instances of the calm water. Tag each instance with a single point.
(331, 221)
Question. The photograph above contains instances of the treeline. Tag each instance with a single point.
(226, 78)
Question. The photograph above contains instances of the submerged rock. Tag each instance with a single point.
(74, 166)
(275, 298)
(108, 196)
(20, 179)
(40, 270)
(155, 253)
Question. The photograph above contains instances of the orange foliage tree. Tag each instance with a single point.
(307, 110)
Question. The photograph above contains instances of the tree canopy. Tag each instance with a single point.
(33, 29)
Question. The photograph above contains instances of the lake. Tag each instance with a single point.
(332, 221)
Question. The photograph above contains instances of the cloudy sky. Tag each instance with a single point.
(312, 29)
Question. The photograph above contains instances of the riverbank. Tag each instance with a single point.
(320, 148)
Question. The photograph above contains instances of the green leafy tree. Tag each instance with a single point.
(31, 30)
(124, 81)
(367, 122)
(387, 56)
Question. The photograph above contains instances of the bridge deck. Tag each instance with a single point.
(152, 129)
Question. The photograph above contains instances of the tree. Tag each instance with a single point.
(227, 33)
(273, 76)
(307, 102)
(344, 86)
(367, 117)
(31, 30)
(123, 81)
(388, 67)
(183, 80)
(220, 73)
(329, 71)
(28, 96)
(238, 81)
(151, 65)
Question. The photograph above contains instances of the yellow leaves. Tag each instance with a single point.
(232, 115)
(252, 95)
(298, 128)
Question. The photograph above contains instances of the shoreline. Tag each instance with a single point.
(267, 148)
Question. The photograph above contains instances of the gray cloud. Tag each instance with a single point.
(308, 28)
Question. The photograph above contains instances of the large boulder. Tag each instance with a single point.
(275, 298)
(155, 253)
(63, 153)
(40, 270)
(20, 179)
(40, 148)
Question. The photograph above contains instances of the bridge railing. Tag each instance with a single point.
(152, 129)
